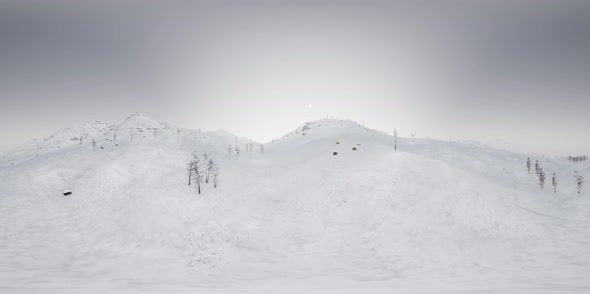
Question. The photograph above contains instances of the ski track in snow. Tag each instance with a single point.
(431, 217)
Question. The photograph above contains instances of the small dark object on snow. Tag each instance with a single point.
(337, 142)
(101, 147)
(334, 153)
(353, 148)
(66, 193)
(116, 145)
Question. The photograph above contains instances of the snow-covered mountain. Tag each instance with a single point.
(330, 207)
(136, 127)
(64, 138)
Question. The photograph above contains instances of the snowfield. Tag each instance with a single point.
(430, 217)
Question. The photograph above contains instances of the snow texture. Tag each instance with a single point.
(431, 217)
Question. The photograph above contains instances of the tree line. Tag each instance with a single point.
(578, 178)
(577, 158)
(249, 148)
(202, 170)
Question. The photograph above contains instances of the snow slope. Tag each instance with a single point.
(431, 217)
(64, 138)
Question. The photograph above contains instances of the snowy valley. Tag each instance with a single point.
(331, 207)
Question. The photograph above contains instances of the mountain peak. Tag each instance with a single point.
(327, 123)
(138, 120)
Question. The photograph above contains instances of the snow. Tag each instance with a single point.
(431, 217)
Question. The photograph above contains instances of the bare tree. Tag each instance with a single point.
(541, 177)
(93, 144)
(577, 158)
(215, 171)
(209, 170)
(229, 150)
(261, 148)
(554, 182)
(579, 181)
(190, 169)
(195, 169)
(199, 175)
(528, 164)
(537, 167)
(395, 139)
(238, 152)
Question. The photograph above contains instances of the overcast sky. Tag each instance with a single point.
(517, 71)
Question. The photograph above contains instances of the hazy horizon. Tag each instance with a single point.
(461, 70)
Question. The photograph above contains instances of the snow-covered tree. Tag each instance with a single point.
(251, 145)
(528, 164)
(93, 144)
(541, 177)
(579, 181)
(215, 172)
(554, 182)
(238, 152)
(199, 175)
(395, 139)
(190, 169)
(209, 170)
(261, 148)
(537, 167)
(229, 150)
(195, 170)
(579, 158)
